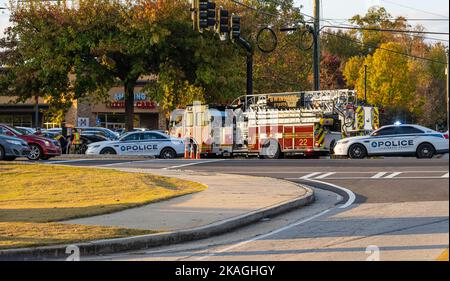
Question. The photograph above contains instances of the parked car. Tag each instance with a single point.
(40, 147)
(12, 147)
(30, 131)
(149, 143)
(49, 134)
(395, 140)
(87, 139)
(98, 130)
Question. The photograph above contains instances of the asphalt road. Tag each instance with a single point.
(399, 211)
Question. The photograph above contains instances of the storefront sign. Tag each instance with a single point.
(140, 99)
(137, 97)
(138, 104)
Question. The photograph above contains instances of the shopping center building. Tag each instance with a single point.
(109, 114)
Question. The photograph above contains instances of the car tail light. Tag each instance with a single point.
(446, 136)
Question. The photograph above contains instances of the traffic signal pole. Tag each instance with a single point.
(316, 39)
(248, 47)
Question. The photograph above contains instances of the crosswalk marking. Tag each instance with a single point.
(325, 175)
(393, 175)
(311, 175)
(374, 175)
(379, 175)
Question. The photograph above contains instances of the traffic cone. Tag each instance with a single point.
(192, 156)
(186, 151)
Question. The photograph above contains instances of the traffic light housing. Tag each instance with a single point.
(235, 27)
(206, 15)
(222, 25)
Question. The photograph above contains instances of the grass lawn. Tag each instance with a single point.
(33, 198)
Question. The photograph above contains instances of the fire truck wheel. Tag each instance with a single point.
(332, 145)
(271, 150)
(357, 151)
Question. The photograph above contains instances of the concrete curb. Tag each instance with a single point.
(161, 239)
(100, 157)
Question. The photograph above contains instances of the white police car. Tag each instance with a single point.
(149, 143)
(395, 140)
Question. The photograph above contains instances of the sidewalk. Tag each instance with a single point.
(227, 196)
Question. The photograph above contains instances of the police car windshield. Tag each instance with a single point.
(128, 136)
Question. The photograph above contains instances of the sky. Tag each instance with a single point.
(343, 9)
(413, 9)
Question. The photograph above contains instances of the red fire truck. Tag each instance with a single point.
(273, 125)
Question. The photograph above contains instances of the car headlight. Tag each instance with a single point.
(14, 142)
(47, 143)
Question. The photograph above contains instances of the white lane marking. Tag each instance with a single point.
(311, 175)
(364, 178)
(265, 235)
(393, 175)
(351, 195)
(67, 161)
(379, 175)
(124, 163)
(195, 163)
(445, 176)
(325, 175)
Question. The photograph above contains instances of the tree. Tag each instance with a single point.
(351, 70)
(389, 83)
(330, 72)
(342, 44)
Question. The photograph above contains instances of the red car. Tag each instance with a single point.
(40, 147)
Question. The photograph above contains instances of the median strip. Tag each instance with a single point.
(35, 198)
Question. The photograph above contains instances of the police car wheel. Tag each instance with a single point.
(357, 151)
(168, 153)
(108, 150)
(35, 152)
(425, 150)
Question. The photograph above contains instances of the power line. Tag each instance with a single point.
(415, 9)
(385, 49)
(397, 18)
(386, 30)
(259, 11)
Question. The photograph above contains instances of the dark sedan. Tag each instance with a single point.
(12, 147)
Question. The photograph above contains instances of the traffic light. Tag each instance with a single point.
(235, 27)
(206, 14)
(222, 22)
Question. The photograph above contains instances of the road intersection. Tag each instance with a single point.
(387, 209)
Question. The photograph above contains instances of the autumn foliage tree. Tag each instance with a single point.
(77, 51)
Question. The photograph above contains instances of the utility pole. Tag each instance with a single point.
(316, 45)
(448, 94)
